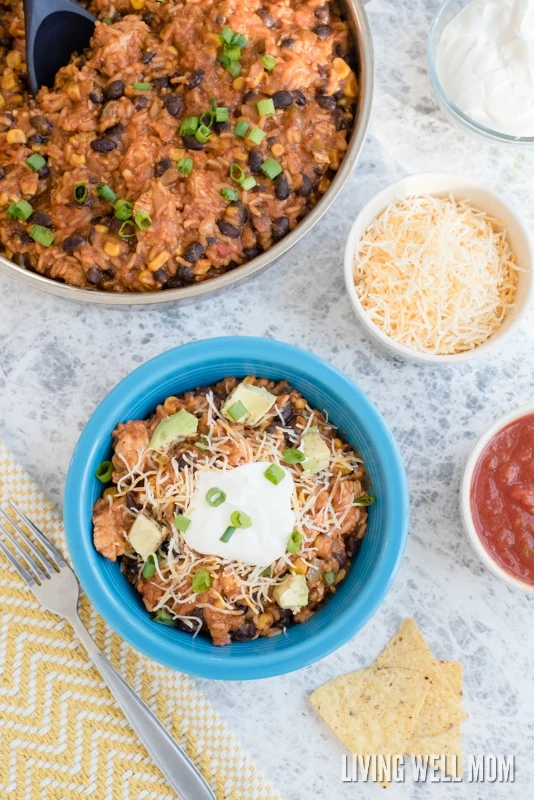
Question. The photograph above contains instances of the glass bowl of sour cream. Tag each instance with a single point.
(481, 67)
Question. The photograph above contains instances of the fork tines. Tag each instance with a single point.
(40, 567)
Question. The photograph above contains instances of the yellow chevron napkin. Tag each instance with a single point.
(62, 737)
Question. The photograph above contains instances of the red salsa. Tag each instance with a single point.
(502, 498)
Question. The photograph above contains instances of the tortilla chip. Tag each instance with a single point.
(448, 743)
(408, 650)
(373, 711)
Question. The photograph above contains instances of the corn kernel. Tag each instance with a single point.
(127, 174)
(2, 101)
(138, 4)
(176, 153)
(9, 81)
(171, 405)
(333, 158)
(16, 136)
(101, 228)
(111, 491)
(299, 567)
(300, 403)
(73, 91)
(238, 84)
(159, 261)
(277, 149)
(13, 59)
(264, 621)
(241, 156)
(9, 253)
(146, 278)
(77, 160)
(112, 249)
(16, 99)
(202, 266)
(293, 135)
(338, 443)
(4, 199)
(342, 68)
(351, 87)
(172, 50)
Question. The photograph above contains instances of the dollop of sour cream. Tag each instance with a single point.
(485, 62)
(247, 490)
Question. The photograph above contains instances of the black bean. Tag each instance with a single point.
(141, 102)
(341, 559)
(73, 242)
(352, 545)
(96, 96)
(248, 96)
(282, 99)
(343, 121)
(164, 82)
(41, 124)
(116, 131)
(23, 237)
(115, 225)
(255, 160)
(103, 145)
(185, 274)
(299, 97)
(21, 261)
(326, 101)
(322, 12)
(281, 187)
(305, 189)
(212, 240)
(6, 122)
(3, 173)
(7, 41)
(40, 218)
(101, 221)
(161, 275)
(196, 78)
(37, 139)
(148, 18)
(91, 236)
(240, 214)
(192, 143)
(280, 228)
(174, 104)
(147, 57)
(259, 188)
(287, 413)
(130, 569)
(323, 31)
(228, 230)
(322, 72)
(193, 252)
(245, 631)
(94, 277)
(108, 274)
(288, 42)
(162, 166)
(93, 179)
(132, 503)
(285, 620)
(338, 95)
(221, 127)
(267, 18)
(259, 47)
(115, 90)
(219, 20)
(251, 252)
(44, 172)
(174, 283)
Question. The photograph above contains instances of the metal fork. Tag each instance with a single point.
(55, 586)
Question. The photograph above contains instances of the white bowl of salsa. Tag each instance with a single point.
(497, 498)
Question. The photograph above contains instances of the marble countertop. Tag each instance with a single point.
(58, 360)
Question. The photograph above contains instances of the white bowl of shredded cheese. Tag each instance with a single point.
(438, 268)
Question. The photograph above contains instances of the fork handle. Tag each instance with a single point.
(176, 766)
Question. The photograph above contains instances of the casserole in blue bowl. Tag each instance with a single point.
(358, 595)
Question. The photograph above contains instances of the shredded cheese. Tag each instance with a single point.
(435, 274)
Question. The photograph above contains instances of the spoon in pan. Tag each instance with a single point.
(55, 29)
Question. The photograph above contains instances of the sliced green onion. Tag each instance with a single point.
(227, 535)
(21, 210)
(104, 471)
(143, 220)
(240, 520)
(248, 183)
(224, 60)
(35, 162)
(232, 52)
(202, 581)
(127, 230)
(266, 572)
(227, 34)
(269, 62)
(208, 118)
(275, 474)
(241, 128)
(266, 107)
(234, 68)
(185, 166)
(230, 194)
(203, 443)
(293, 456)
(149, 570)
(106, 193)
(256, 136)
(271, 168)
(222, 114)
(240, 40)
(123, 209)
(237, 411)
(81, 193)
(365, 500)
(189, 126)
(329, 578)
(107, 21)
(237, 173)
(42, 235)
(164, 618)
(215, 497)
(202, 134)
(142, 87)
(181, 523)
(213, 104)
(294, 542)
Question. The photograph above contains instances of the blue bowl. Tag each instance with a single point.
(367, 582)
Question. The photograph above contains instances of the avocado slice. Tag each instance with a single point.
(248, 404)
(316, 451)
(171, 429)
(146, 536)
(292, 593)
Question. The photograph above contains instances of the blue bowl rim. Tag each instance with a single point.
(85, 558)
